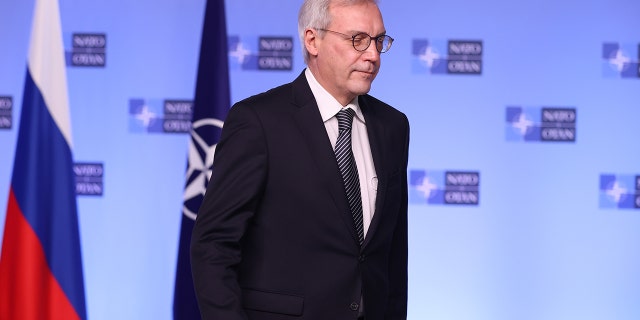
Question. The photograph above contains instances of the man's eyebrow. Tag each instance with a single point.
(383, 33)
(354, 32)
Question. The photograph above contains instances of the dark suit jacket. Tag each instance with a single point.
(275, 239)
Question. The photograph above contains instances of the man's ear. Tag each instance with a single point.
(310, 38)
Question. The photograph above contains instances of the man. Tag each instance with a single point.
(305, 216)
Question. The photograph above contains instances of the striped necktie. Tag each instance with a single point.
(348, 168)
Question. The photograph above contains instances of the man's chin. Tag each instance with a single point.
(362, 89)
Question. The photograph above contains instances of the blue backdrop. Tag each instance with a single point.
(524, 161)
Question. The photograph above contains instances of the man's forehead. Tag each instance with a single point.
(343, 14)
(346, 11)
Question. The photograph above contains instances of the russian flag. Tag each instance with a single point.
(211, 105)
(41, 265)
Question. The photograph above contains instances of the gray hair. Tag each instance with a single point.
(315, 14)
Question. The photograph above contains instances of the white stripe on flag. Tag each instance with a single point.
(47, 48)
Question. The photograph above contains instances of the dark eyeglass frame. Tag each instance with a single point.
(364, 36)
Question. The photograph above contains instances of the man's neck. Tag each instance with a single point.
(343, 100)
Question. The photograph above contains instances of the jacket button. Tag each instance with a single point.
(354, 306)
(361, 258)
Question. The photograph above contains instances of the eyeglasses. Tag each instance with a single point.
(362, 41)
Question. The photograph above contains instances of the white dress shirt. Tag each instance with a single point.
(329, 107)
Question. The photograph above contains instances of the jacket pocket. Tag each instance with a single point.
(272, 302)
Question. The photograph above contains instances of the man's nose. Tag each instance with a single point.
(372, 52)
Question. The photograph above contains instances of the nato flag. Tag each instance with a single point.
(211, 105)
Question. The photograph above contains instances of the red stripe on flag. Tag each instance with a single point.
(28, 290)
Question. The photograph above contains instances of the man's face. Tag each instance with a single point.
(342, 70)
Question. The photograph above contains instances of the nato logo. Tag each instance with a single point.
(621, 60)
(444, 187)
(263, 53)
(619, 191)
(160, 116)
(87, 50)
(6, 111)
(546, 124)
(200, 166)
(447, 57)
(89, 179)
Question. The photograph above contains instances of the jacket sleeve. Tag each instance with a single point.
(398, 259)
(234, 190)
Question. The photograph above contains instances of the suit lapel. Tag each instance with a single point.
(312, 128)
(376, 134)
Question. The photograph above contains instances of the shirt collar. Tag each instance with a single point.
(327, 104)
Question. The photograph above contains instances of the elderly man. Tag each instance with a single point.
(305, 216)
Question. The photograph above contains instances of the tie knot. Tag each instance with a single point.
(345, 118)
